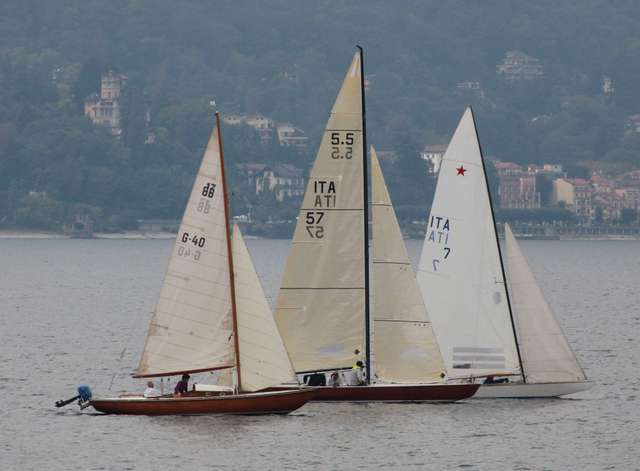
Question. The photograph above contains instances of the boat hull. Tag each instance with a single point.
(530, 390)
(394, 393)
(277, 402)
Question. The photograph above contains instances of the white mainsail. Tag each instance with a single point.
(460, 273)
(321, 303)
(405, 347)
(263, 359)
(191, 329)
(546, 354)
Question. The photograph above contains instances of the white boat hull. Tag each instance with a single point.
(530, 390)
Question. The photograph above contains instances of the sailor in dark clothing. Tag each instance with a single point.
(182, 386)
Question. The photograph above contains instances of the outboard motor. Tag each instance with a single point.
(83, 397)
(84, 392)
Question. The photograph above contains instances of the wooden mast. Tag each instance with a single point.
(232, 284)
(495, 228)
(365, 186)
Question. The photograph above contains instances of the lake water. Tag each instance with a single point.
(74, 311)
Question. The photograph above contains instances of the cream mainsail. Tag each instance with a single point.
(191, 329)
(460, 273)
(405, 347)
(321, 304)
(546, 354)
(263, 358)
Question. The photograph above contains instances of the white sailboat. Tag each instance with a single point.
(323, 305)
(212, 315)
(480, 330)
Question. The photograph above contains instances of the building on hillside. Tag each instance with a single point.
(518, 192)
(576, 194)
(631, 178)
(633, 123)
(468, 85)
(263, 125)
(607, 86)
(290, 136)
(505, 169)
(433, 154)
(608, 205)
(552, 168)
(630, 197)
(249, 172)
(519, 66)
(105, 109)
(516, 188)
(285, 181)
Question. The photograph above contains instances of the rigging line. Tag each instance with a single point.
(132, 331)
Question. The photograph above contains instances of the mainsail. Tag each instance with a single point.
(460, 272)
(321, 304)
(546, 354)
(263, 358)
(191, 329)
(405, 347)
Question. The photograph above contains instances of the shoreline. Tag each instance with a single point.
(129, 235)
(136, 235)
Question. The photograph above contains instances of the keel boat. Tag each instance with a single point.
(323, 306)
(212, 315)
(490, 322)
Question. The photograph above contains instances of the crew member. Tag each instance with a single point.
(358, 369)
(182, 386)
(151, 391)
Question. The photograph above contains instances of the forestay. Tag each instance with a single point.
(546, 354)
(263, 359)
(191, 329)
(321, 303)
(460, 273)
(405, 347)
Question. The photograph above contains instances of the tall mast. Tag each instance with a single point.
(365, 199)
(232, 283)
(495, 229)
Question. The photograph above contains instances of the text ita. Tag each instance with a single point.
(325, 194)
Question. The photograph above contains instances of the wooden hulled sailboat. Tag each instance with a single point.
(212, 315)
(485, 325)
(323, 304)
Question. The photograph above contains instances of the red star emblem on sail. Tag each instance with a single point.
(461, 170)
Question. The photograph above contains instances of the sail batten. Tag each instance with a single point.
(405, 347)
(546, 355)
(460, 273)
(191, 329)
(320, 309)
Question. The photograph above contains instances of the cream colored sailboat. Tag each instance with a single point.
(405, 347)
(212, 315)
(486, 327)
(322, 309)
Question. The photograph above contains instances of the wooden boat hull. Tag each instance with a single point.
(530, 390)
(277, 402)
(394, 393)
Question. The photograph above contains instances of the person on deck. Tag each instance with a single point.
(151, 391)
(182, 386)
(334, 379)
(358, 369)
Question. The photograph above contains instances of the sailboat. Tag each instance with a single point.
(488, 325)
(212, 315)
(323, 306)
